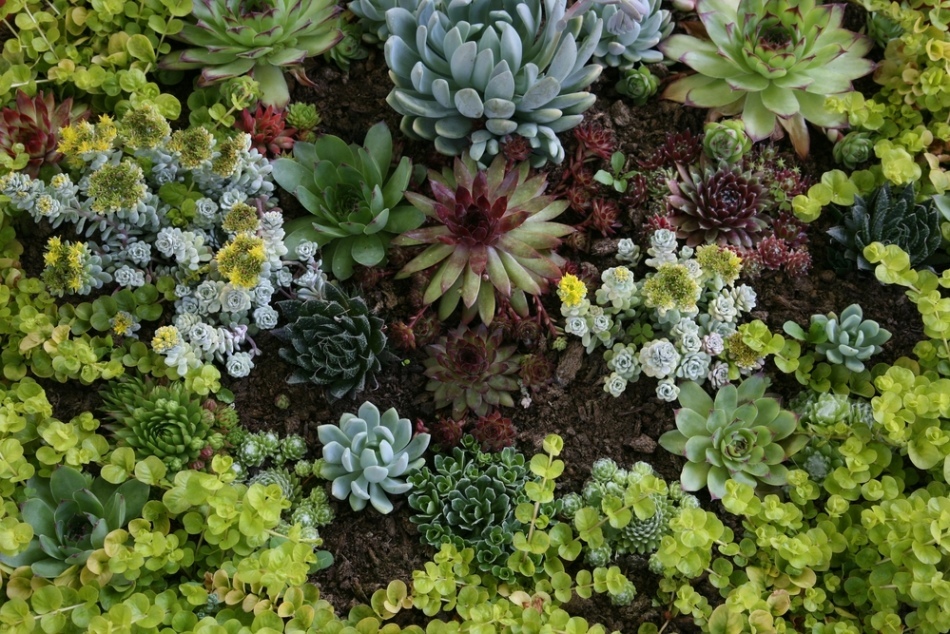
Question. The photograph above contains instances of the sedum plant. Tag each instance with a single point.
(71, 514)
(741, 435)
(367, 455)
(335, 342)
(233, 37)
(631, 31)
(773, 61)
(469, 74)
(471, 371)
(889, 217)
(355, 196)
(491, 235)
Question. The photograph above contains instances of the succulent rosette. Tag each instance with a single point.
(236, 37)
(491, 233)
(35, 123)
(268, 130)
(773, 61)
(632, 29)
(741, 435)
(717, 205)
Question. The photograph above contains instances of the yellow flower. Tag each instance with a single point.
(121, 323)
(571, 290)
(165, 339)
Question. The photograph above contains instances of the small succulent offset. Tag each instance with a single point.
(469, 74)
(372, 16)
(639, 84)
(726, 141)
(848, 340)
(854, 148)
(471, 371)
(493, 235)
(234, 37)
(71, 516)
(631, 31)
(888, 217)
(268, 130)
(29, 133)
(368, 454)
(335, 342)
(165, 421)
(356, 198)
(773, 61)
(742, 435)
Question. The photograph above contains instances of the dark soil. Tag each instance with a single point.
(371, 550)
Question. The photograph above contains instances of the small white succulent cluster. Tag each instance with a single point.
(672, 325)
(178, 205)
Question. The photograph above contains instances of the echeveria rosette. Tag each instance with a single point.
(262, 37)
(631, 31)
(354, 196)
(469, 74)
(850, 339)
(71, 516)
(368, 455)
(742, 436)
(773, 61)
(491, 233)
(372, 16)
(470, 370)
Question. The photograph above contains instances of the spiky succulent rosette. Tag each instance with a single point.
(491, 233)
(773, 61)
(260, 37)
(717, 205)
(471, 371)
(268, 129)
(35, 124)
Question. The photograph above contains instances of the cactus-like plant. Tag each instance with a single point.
(335, 342)
(469, 74)
(631, 31)
(368, 454)
(742, 435)
(71, 515)
(889, 217)
(233, 38)
(471, 370)
(850, 340)
(773, 61)
(494, 235)
(355, 197)
(165, 421)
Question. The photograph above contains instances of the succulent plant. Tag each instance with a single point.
(890, 218)
(717, 205)
(631, 31)
(234, 37)
(372, 16)
(773, 61)
(165, 421)
(742, 435)
(639, 84)
(469, 74)
(367, 455)
(268, 130)
(355, 198)
(493, 235)
(349, 48)
(335, 342)
(470, 370)
(726, 141)
(850, 339)
(71, 516)
(35, 123)
(494, 432)
(853, 149)
(288, 482)
(468, 499)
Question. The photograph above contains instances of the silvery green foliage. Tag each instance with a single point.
(684, 345)
(372, 16)
(631, 31)
(368, 455)
(152, 236)
(472, 72)
(851, 339)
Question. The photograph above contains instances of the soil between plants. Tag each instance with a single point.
(370, 549)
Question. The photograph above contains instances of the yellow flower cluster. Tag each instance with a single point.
(165, 339)
(65, 265)
(716, 260)
(242, 217)
(241, 260)
(193, 146)
(80, 138)
(571, 290)
(671, 287)
(122, 323)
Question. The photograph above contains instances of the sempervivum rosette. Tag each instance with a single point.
(471, 73)
(35, 124)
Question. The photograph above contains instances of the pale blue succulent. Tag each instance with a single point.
(659, 358)
(372, 16)
(471, 73)
(851, 339)
(368, 454)
(632, 29)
